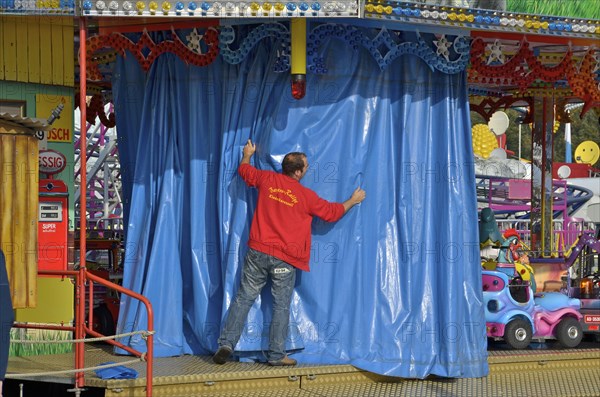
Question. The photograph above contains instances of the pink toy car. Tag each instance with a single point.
(515, 314)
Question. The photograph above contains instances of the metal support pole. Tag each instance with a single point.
(568, 157)
(80, 306)
(520, 126)
(541, 176)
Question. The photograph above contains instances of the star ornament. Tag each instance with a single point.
(443, 45)
(193, 41)
(495, 52)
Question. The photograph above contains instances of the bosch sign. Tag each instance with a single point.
(52, 162)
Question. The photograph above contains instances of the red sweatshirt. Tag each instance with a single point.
(283, 216)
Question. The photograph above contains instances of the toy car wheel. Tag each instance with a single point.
(569, 332)
(518, 333)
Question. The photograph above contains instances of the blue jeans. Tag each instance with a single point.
(257, 268)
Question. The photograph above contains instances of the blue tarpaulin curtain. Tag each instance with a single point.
(394, 286)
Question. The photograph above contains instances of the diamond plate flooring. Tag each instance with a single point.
(527, 373)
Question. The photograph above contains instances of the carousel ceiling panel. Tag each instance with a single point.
(220, 9)
(38, 7)
(534, 65)
(445, 15)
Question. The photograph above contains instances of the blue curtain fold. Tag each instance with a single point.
(394, 286)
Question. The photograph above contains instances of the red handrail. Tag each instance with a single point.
(82, 329)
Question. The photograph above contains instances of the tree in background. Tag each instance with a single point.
(588, 9)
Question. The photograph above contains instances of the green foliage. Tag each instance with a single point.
(588, 9)
(586, 129)
(36, 349)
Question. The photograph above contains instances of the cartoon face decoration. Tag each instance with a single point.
(588, 152)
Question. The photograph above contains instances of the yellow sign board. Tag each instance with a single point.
(62, 128)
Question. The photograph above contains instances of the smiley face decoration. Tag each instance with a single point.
(587, 152)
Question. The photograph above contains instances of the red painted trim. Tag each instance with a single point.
(145, 50)
(534, 38)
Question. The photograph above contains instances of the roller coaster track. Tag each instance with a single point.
(103, 176)
(512, 197)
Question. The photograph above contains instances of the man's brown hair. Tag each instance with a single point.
(293, 162)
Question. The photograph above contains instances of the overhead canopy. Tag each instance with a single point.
(21, 125)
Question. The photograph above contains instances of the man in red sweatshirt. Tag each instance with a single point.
(279, 244)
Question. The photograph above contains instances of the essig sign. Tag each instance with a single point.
(51, 161)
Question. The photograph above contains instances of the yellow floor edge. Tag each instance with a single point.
(568, 373)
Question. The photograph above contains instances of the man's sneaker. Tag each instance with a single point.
(222, 355)
(284, 361)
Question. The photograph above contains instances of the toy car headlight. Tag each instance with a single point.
(493, 306)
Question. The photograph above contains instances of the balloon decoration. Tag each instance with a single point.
(588, 152)
(484, 140)
(498, 123)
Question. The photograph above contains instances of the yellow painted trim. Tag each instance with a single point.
(22, 59)
(69, 55)
(58, 55)
(45, 52)
(2, 23)
(9, 46)
(56, 302)
(33, 45)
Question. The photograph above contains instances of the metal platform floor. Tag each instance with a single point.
(526, 373)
